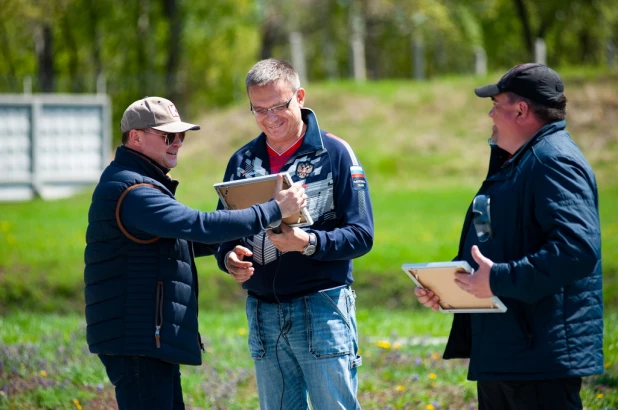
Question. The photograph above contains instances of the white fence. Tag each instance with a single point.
(52, 144)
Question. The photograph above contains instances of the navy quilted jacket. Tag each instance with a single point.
(546, 249)
(141, 298)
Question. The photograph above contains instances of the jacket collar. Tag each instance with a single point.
(311, 142)
(498, 159)
(144, 165)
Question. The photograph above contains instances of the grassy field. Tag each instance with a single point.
(402, 366)
(424, 149)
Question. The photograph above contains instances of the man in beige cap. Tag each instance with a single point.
(140, 276)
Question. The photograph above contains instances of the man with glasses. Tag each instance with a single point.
(300, 307)
(141, 281)
(533, 236)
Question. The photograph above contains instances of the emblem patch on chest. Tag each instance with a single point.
(303, 169)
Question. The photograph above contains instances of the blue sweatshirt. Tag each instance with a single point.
(338, 202)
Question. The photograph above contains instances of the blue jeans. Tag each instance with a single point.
(144, 383)
(306, 347)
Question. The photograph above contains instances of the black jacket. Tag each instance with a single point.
(546, 249)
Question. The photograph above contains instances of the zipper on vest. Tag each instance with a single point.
(159, 313)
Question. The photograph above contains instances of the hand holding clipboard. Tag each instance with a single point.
(243, 193)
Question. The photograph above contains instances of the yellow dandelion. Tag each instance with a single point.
(4, 226)
(435, 356)
(430, 407)
(432, 376)
(242, 331)
(76, 403)
(600, 396)
(43, 373)
(399, 388)
(384, 344)
(606, 365)
(396, 345)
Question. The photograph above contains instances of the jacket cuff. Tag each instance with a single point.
(272, 212)
(497, 272)
(225, 261)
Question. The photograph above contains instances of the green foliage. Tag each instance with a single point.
(199, 56)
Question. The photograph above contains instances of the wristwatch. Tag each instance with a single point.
(310, 248)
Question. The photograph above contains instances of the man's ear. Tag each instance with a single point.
(300, 95)
(523, 110)
(134, 138)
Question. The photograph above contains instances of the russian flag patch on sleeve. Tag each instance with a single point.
(359, 183)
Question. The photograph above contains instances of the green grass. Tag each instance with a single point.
(41, 258)
(45, 364)
(424, 149)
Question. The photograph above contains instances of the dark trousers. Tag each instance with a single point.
(558, 394)
(143, 383)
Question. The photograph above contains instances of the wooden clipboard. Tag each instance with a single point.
(439, 277)
(244, 193)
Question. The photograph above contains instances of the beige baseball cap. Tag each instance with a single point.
(154, 112)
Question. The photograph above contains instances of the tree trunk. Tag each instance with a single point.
(270, 32)
(144, 62)
(525, 23)
(43, 45)
(93, 15)
(75, 81)
(357, 41)
(174, 48)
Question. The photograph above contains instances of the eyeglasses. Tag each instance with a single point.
(170, 137)
(481, 218)
(261, 112)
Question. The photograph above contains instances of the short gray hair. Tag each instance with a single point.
(542, 112)
(268, 71)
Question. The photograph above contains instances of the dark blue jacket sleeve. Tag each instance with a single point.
(566, 209)
(227, 246)
(150, 211)
(354, 235)
(224, 248)
(204, 249)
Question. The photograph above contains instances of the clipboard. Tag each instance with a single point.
(244, 193)
(439, 277)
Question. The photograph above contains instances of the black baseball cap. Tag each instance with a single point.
(534, 81)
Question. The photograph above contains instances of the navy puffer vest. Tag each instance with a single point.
(140, 298)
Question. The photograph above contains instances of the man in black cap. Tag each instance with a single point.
(141, 281)
(534, 242)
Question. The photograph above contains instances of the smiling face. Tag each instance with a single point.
(152, 144)
(281, 126)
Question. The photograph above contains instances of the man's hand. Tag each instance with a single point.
(240, 270)
(291, 200)
(477, 283)
(427, 298)
(290, 239)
